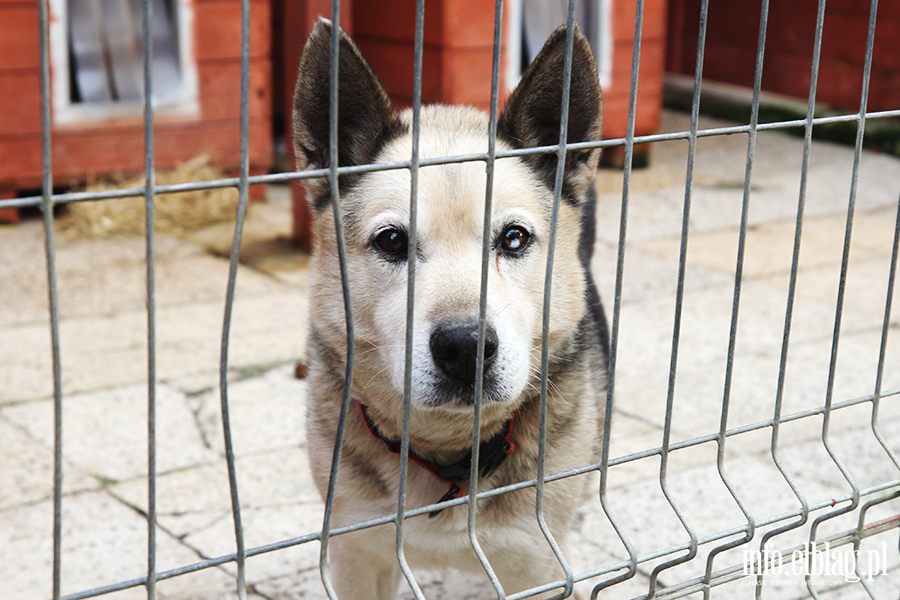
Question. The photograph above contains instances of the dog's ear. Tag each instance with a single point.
(366, 117)
(532, 114)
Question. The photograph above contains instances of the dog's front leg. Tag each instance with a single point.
(364, 565)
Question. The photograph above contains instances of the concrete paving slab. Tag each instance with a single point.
(262, 527)
(88, 268)
(278, 501)
(305, 584)
(24, 370)
(769, 246)
(651, 524)
(208, 584)
(267, 412)
(864, 296)
(89, 543)
(647, 276)
(777, 165)
(26, 470)
(645, 348)
(100, 351)
(114, 448)
(866, 461)
(651, 214)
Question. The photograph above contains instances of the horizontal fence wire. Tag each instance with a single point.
(227, 182)
(673, 555)
(835, 540)
(635, 456)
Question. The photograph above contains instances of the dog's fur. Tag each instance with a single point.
(375, 209)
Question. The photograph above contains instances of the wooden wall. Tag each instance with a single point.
(733, 29)
(98, 147)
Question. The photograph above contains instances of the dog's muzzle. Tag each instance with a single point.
(454, 349)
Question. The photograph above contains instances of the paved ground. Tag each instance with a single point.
(104, 371)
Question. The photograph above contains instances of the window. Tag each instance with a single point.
(98, 50)
(532, 22)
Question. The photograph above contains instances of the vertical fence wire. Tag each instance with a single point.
(738, 279)
(412, 244)
(789, 309)
(845, 258)
(617, 306)
(548, 281)
(52, 291)
(345, 288)
(482, 302)
(243, 190)
(47, 204)
(861, 533)
(679, 299)
(882, 351)
(150, 221)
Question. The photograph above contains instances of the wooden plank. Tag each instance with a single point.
(21, 111)
(77, 154)
(8, 215)
(395, 20)
(467, 24)
(19, 44)
(220, 89)
(219, 93)
(654, 25)
(675, 40)
(448, 23)
(392, 62)
(615, 116)
(884, 54)
(218, 29)
(650, 77)
(467, 77)
(650, 86)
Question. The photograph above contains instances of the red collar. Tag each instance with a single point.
(491, 454)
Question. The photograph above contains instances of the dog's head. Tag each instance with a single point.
(450, 215)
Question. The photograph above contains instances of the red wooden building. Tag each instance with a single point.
(733, 29)
(97, 126)
(96, 132)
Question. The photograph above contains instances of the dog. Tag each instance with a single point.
(375, 216)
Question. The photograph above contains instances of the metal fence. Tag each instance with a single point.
(754, 532)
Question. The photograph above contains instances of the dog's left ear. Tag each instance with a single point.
(532, 114)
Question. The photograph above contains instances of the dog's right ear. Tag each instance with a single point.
(366, 118)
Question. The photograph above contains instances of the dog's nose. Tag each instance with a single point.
(454, 349)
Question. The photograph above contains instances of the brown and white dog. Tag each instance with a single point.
(375, 209)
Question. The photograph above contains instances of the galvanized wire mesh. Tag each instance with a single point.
(755, 532)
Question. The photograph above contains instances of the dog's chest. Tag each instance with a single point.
(445, 540)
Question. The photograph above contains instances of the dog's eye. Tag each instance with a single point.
(391, 242)
(514, 239)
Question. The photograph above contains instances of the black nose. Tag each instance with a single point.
(454, 348)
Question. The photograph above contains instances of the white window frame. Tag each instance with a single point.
(600, 35)
(68, 113)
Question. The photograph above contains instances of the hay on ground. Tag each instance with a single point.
(175, 213)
